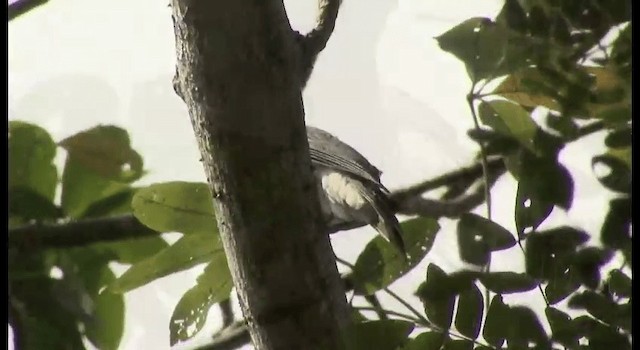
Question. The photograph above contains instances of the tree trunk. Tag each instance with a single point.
(237, 72)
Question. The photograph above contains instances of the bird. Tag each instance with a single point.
(349, 187)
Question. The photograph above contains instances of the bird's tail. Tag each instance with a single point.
(386, 224)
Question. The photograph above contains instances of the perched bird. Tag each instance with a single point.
(349, 186)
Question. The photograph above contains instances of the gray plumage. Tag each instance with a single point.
(349, 186)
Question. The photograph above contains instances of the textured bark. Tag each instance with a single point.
(237, 72)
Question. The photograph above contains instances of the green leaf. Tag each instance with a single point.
(116, 204)
(478, 236)
(380, 263)
(185, 207)
(508, 282)
(529, 89)
(380, 335)
(425, 341)
(107, 326)
(106, 151)
(27, 204)
(561, 327)
(188, 251)
(213, 286)
(613, 173)
(31, 153)
(81, 187)
(616, 228)
(509, 119)
(479, 43)
(457, 344)
(602, 308)
(470, 311)
(132, 251)
(620, 283)
(561, 287)
(525, 328)
(548, 253)
(619, 138)
(438, 297)
(587, 262)
(497, 322)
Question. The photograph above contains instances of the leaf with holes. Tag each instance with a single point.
(509, 119)
(185, 207)
(477, 237)
(31, 153)
(379, 334)
(438, 297)
(470, 311)
(188, 251)
(548, 253)
(213, 286)
(106, 151)
(380, 263)
(508, 282)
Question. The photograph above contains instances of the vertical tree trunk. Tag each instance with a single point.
(237, 72)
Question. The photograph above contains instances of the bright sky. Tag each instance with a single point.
(382, 85)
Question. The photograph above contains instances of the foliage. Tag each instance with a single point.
(541, 56)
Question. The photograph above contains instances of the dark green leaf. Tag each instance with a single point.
(561, 327)
(612, 173)
(587, 263)
(509, 119)
(132, 251)
(619, 138)
(620, 283)
(561, 287)
(525, 328)
(616, 228)
(81, 187)
(470, 311)
(602, 308)
(31, 153)
(514, 16)
(497, 322)
(457, 344)
(188, 251)
(438, 297)
(508, 282)
(549, 253)
(479, 43)
(116, 204)
(106, 151)
(380, 263)
(478, 236)
(27, 204)
(380, 334)
(426, 341)
(185, 207)
(213, 286)
(357, 316)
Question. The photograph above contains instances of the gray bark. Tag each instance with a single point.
(237, 71)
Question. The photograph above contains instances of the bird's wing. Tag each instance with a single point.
(327, 150)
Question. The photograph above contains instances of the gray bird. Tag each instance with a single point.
(349, 186)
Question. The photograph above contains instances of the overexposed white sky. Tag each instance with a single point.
(382, 85)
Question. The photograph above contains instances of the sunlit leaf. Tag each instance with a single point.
(188, 251)
(31, 153)
(527, 88)
(380, 263)
(185, 207)
(509, 119)
(379, 334)
(190, 315)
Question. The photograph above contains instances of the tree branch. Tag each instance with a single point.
(19, 7)
(311, 44)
